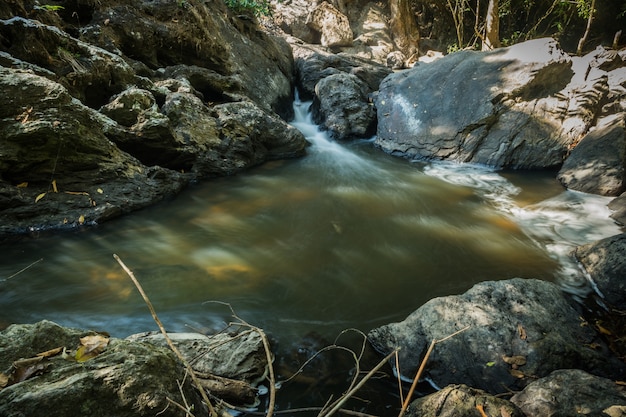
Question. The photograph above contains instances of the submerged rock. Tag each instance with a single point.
(571, 392)
(519, 329)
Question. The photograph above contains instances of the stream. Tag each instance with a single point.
(345, 237)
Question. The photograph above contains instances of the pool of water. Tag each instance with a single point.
(346, 237)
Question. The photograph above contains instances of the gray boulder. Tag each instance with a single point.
(519, 329)
(126, 379)
(605, 263)
(596, 164)
(618, 208)
(341, 105)
(498, 108)
(462, 401)
(58, 168)
(571, 392)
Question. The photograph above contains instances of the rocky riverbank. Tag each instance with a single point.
(112, 107)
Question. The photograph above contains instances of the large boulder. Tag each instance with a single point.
(507, 108)
(518, 330)
(124, 379)
(605, 263)
(571, 392)
(342, 106)
(597, 164)
(58, 167)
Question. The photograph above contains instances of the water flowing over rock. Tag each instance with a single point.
(519, 329)
(516, 107)
(462, 401)
(605, 263)
(572, 392)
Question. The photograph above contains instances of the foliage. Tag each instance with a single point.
(254, 7)
(50, 7)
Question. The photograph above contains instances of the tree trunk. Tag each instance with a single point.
(581, 42)
(404, 30)
(492, 27)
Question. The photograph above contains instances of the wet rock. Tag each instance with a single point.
(500, 108)
(59, 169)
(333, 26)
(618, 207)
(342, 107)
(596, 164)
(126, 379)
(462, 401)
(605, 262)
(519, 329)
(571, 392)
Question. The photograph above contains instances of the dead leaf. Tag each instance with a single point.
(99, 190)
(481, 410)
(4, 380)
(22, 184)
(81, 219)
(91, 346)
(26, 368)
(521, 332)
(516, 373)
(39, 197)
(54, 186)
(51, 352)
(76, 193)
(504, 412)
(603, 330)
(515, 360)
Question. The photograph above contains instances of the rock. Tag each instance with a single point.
(164, 34)
(618, 207)
(605, 263)
(127, 379)
(89, 73)
(501, 107)
(314, 64)
(291, 17)
(342, 107)
(462, 401)
(519, 329)
(596, 164)
(58, 168)
(239, 357)
(131, 105)
(396, 60)
(333, 26)
(571, 392)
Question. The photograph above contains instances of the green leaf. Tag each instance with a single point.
(490, 364)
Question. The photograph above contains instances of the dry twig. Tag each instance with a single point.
(167, 339)
(405, 405)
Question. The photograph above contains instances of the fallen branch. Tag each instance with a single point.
(167, 339)
(22, 270)
(407, 400)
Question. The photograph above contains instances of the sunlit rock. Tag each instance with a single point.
(333, 26)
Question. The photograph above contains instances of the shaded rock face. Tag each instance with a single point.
(127, 379)
(597, 164)
(519, 329)
(112, 106)
(49, 136)
(461, 401)
(518, 107)
(572, 392)
(605, 262)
